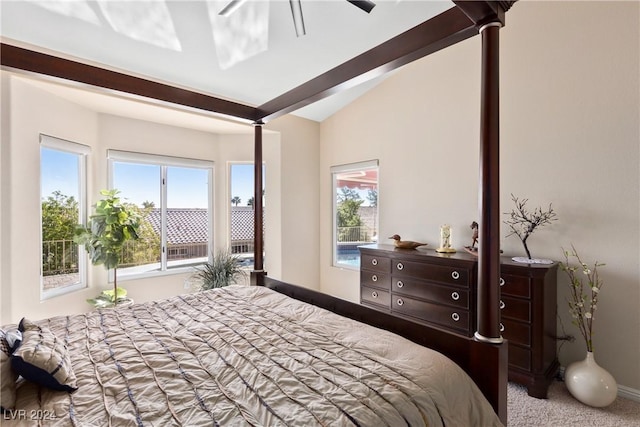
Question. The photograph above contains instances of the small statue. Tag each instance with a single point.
(473, 250)
(474, 235)
(405, 244)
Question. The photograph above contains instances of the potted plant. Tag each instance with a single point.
(112, 224)
(223, 270)
(523, 223)
(110, 298)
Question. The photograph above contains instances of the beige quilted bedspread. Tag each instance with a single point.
(241, 356)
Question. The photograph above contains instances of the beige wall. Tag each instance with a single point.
(30, 113)
(299, 204)
(569, 136)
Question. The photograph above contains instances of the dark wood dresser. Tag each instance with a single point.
(440, 290)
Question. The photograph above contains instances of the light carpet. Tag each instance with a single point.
(560, 409)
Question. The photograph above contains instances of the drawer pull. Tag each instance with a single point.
(502, 305)
(374, 261)
(374, 294)
(400, 302)
(455, 296)
(501, 281)
(374, 278)
(455, 317)
(400, 266)
(455, 275)
(400, 284)
(501, 327)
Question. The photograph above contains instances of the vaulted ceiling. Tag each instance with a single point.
(251, 56)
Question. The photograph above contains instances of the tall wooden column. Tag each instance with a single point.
(489, 191)
(257, 275)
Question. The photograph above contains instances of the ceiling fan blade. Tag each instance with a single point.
(231, 7)
(366, 5)
(298, 20)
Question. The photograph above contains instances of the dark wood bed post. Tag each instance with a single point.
(489, 213)
(489, 203)
(258, 273)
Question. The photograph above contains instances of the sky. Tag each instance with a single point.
(187, 187)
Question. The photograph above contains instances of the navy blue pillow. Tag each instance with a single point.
(43, 359)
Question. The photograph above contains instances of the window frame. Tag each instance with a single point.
(230, 165)
(165, 162)
(335, 170)
(82, 152)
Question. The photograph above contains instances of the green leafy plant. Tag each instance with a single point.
(112, 224)
(223, 270)
(584, 293)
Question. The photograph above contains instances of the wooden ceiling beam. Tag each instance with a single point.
(439, 32)
(49, 65)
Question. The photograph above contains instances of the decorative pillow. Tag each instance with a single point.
(8, 376)
(43, 359)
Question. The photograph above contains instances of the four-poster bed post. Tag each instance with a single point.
(489, 190)
(257, 275)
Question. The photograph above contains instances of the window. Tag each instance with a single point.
(174, 198)
(242, 215)
(355, 211)
(63, 180)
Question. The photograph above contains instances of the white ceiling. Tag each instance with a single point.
(250, 57)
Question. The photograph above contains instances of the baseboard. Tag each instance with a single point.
(629, 393)
(623, 391)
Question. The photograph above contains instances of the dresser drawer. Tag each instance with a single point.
(519, 357)
(457, 297)
(375, 280)
(375, 263)
(375, 296)
(518, 286)
(458, 320)
(516, 331)
(436, 273)
(515, 308)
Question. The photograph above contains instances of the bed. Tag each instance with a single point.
(245, 356)
(483, 357)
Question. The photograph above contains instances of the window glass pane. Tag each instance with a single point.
(60, 212)
(139, 185)
(356, 214)
(242, 215)
(173, 196)
(187, 216)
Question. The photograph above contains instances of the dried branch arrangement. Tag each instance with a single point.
(523, 223)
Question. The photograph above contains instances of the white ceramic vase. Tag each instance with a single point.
(590, 383)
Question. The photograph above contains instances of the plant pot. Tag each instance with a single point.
(589, 383)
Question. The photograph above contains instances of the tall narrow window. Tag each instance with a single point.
(242, 210)
(355, 210)
(173, 195)
(62, 196)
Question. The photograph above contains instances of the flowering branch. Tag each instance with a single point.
(583, 301)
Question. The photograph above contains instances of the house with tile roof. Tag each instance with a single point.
(187, 231)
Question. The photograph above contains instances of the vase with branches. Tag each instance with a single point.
(584, 290)
(585, 379)
(112, 224)
(523, 222)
